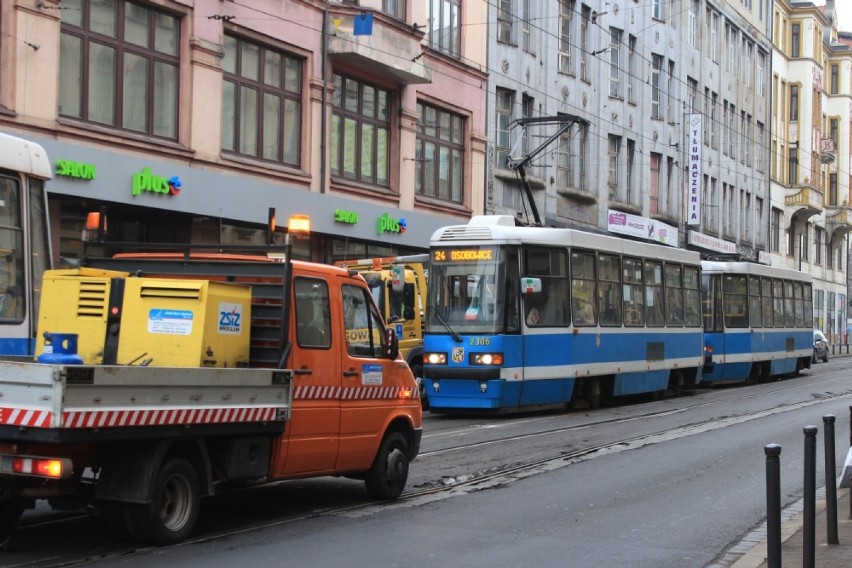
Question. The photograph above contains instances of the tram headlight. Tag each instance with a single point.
(486, 359)
(435, 358)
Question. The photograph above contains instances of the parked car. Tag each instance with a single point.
(820, 347)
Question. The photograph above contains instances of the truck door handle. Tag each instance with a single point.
(350, 373)
(303, 372)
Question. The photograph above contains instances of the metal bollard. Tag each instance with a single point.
(773, 505)
(808, 534)
(830, 480)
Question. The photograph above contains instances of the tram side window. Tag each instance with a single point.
(654, 313)
(633, 293)
(11, 251)
(711, 292)
(778, 302)
(550, 306)
(691, 297)
(609, 286)
(766, 302)
(583, 288)
(799, 304)
(735, 300)
(789, 305)
(674, 295)
(755, 311)
(809, 303)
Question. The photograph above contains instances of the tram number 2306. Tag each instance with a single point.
(480, 341)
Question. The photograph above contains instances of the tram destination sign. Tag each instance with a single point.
(465, 254)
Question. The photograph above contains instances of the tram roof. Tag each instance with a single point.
(501, 229)
(24, 156)
(722, 267)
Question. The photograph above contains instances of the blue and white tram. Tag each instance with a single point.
(528, 317)
(24, 242)
(758, 321)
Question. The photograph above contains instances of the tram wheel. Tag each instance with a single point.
(592, 393)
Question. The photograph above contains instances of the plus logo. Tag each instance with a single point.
(230, 318)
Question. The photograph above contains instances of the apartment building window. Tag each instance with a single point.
(732, 132)
(829, 255)
(705, 203)
(654, 189)
(504, 21)
(794, 103)
(713, 35)
(714, 205)
(526, 26)
(832, 190)
(692, 93)
(793, 166)
(445, 26)
(670, 198)
(614, 148)
(583, 151)
(632, 71)
(440, 154)
(656, 90)
(584, 41)
(657, 9)
(743, 145)
(761, 74)
(745, 210)
(564, 158)
(527, 111)
(670, 92)
(731, 42)
(805, 242)
(631, 163)
(614, 63)
(714, 103)
(504, 109)
(566, 10)
(795, 39)
(119, 66)
(818, 238)
(835, 78)
(833, 125)
(775, 230)
(748, 55)
(394, 8)
(261, 102)
(360, 131)
(693, 22)
(759, 150)
(707, 127)
(760, 228)
(728, 191)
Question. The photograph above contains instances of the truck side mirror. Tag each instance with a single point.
(392, 343)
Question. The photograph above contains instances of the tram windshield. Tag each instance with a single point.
(470, 296)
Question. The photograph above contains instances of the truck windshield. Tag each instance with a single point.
(470, 297)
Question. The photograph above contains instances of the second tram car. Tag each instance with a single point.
(527, 317)
(758, 321)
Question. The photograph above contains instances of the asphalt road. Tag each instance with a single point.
(673, 482)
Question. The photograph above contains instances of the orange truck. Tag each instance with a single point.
(164, 380)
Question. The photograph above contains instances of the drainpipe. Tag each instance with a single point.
(324, 111)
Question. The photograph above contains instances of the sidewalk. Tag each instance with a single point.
(792, 552)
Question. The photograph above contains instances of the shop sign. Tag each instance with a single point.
(695, 168)
(343, 216)
(146, 181)
(78, 170)
(710, 242)
(641, 227)
(387, 224)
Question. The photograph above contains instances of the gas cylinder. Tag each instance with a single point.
(60, 349)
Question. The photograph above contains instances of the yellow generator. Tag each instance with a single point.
(124, 320)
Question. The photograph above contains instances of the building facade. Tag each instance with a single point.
(191, 120)
(811, 115)
(672, 101)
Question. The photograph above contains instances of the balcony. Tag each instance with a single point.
(392, 48)
(827, 151)
(802, 202)
(838, 221)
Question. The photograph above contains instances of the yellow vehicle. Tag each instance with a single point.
(399, 290)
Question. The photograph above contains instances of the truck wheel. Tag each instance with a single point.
(172, 513)
(387, 478)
